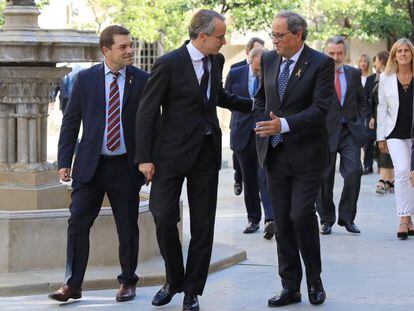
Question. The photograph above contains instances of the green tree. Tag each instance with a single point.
(363, 19)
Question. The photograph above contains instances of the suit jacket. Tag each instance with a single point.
(87, 105)
(388, 103)
(174, 87)
(239, 64)
(306, 101)
(354, 111)
(241, 123)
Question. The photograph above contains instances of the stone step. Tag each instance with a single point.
(150, 272)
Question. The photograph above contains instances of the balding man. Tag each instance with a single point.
(244, 81)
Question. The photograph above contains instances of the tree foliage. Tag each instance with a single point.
(151, 19)
(363, 19)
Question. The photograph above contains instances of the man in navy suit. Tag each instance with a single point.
(104, 99)
(238, 186)
(244, 81)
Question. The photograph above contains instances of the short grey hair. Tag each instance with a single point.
(337, 40)
(295, 22)
(256, 52)
(203, 21)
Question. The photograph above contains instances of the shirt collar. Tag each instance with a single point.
(295, 57)
(122, 71)
(251, 74)
(341, 69)
(195, 54)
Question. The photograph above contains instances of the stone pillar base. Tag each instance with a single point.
(18, 198)
(36, 240)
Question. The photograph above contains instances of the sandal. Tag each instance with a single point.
(402, 232)
(380, 188)
(410, 228)
(389, 186)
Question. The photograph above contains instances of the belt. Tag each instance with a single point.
(113, 157)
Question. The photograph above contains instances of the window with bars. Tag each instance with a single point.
(146, 53)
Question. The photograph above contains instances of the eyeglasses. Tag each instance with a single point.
(221, 38)
(278, 36)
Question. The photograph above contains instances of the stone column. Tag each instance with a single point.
(11, 139)
(3, 130)
(22, 140)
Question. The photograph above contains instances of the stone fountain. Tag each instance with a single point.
(28, 76)
(33, 203)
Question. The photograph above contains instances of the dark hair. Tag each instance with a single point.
(383, 57)
(295, 22)
(252, 41)
(203, 21)
(106, 39)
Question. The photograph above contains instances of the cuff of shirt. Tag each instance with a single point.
(284, 126)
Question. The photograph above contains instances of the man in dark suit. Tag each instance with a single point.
(187, 84)
(104, 99)
(346, 127)
(238, 185)
(295, 93)
(369, 147)
(244, 81)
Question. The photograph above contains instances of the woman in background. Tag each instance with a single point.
(394, 123)
(363, 65)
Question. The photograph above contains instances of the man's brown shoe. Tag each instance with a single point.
(125, 293)
(66, 292)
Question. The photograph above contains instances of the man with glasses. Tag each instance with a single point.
(186, 83)
(295, 93)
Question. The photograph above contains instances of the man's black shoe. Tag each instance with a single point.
(367, 171)
(349, 226)
(284, 298)
(251, 227)
(238, 188)
(326, 229)
(269, 229)
(164, 295)
(316, 293)
(190, 303)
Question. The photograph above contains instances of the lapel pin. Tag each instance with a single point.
(298, 73)
(130, 80)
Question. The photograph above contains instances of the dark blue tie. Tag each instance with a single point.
(282, 83)
(255, 86)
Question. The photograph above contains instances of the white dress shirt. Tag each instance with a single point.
(197, 60)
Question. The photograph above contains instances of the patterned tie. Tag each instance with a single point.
(282, 83)
(338, 86)
(255, 86)
(113, 135)
(204, 80)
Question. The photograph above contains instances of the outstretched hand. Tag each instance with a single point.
(268, 128)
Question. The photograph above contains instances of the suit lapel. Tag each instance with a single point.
(129, 82)
(100, 91)
(245, 80)
(348, 83)
(272, 75)
(188, 69)
(214, 77)
(298, 71)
